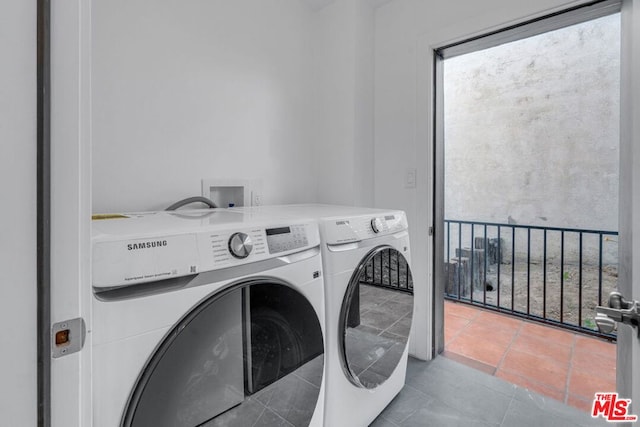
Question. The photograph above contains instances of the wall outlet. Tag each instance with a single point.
(257, 199)
(227, 192)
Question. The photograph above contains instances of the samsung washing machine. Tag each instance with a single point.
(369, 306)
(206, 317)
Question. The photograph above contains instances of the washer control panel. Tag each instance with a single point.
(118, 262)
(287, 238)
(223, 249)
(240, 245)
(226, 249)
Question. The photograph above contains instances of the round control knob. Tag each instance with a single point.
(240, 245)
(376, 225)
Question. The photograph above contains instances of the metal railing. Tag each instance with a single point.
(547, 274)
(388, 270)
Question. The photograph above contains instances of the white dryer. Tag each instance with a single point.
(369, 306)
(206, 317)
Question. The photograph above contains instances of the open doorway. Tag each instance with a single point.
(528, 153)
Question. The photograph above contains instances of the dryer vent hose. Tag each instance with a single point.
(190, 200)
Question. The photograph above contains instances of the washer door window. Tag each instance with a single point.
(375, 319)
(249, 355)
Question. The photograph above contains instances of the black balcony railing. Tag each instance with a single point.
(388, 270)
(547, 274)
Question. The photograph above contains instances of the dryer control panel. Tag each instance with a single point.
(354, 229)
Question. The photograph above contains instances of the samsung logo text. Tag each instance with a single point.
(146, 245)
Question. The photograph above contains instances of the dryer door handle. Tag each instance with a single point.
(367, 243)
(300, 256)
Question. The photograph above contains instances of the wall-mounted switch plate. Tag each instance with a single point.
(410, 178)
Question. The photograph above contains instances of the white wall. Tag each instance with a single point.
(201, 89)
(343, 58)
(18, 241)
(276, 91)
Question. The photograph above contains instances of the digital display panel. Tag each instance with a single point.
(279, 230)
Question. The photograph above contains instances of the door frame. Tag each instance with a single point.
(43, 208)
(70, 210)
(628, 348)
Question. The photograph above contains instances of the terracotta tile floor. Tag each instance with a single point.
(560, 364)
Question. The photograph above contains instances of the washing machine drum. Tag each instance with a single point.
(375, 318)
(253, 351)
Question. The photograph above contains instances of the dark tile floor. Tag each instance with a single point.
(476, 383)
(522, 373)
(446, 393)
(375, 345)
(288, 402)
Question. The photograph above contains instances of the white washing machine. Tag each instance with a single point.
(369, 306)
(206, 317)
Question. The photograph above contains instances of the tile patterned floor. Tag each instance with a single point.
(445, 393)
(562, 365)
(288, 402)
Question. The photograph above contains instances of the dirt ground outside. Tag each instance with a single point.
(554, 294)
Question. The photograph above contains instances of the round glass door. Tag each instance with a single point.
(375, 319)
(251, 355)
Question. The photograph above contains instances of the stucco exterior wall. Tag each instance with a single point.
(532, 137)
(532, 130)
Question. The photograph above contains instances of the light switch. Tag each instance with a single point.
(410, 178)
